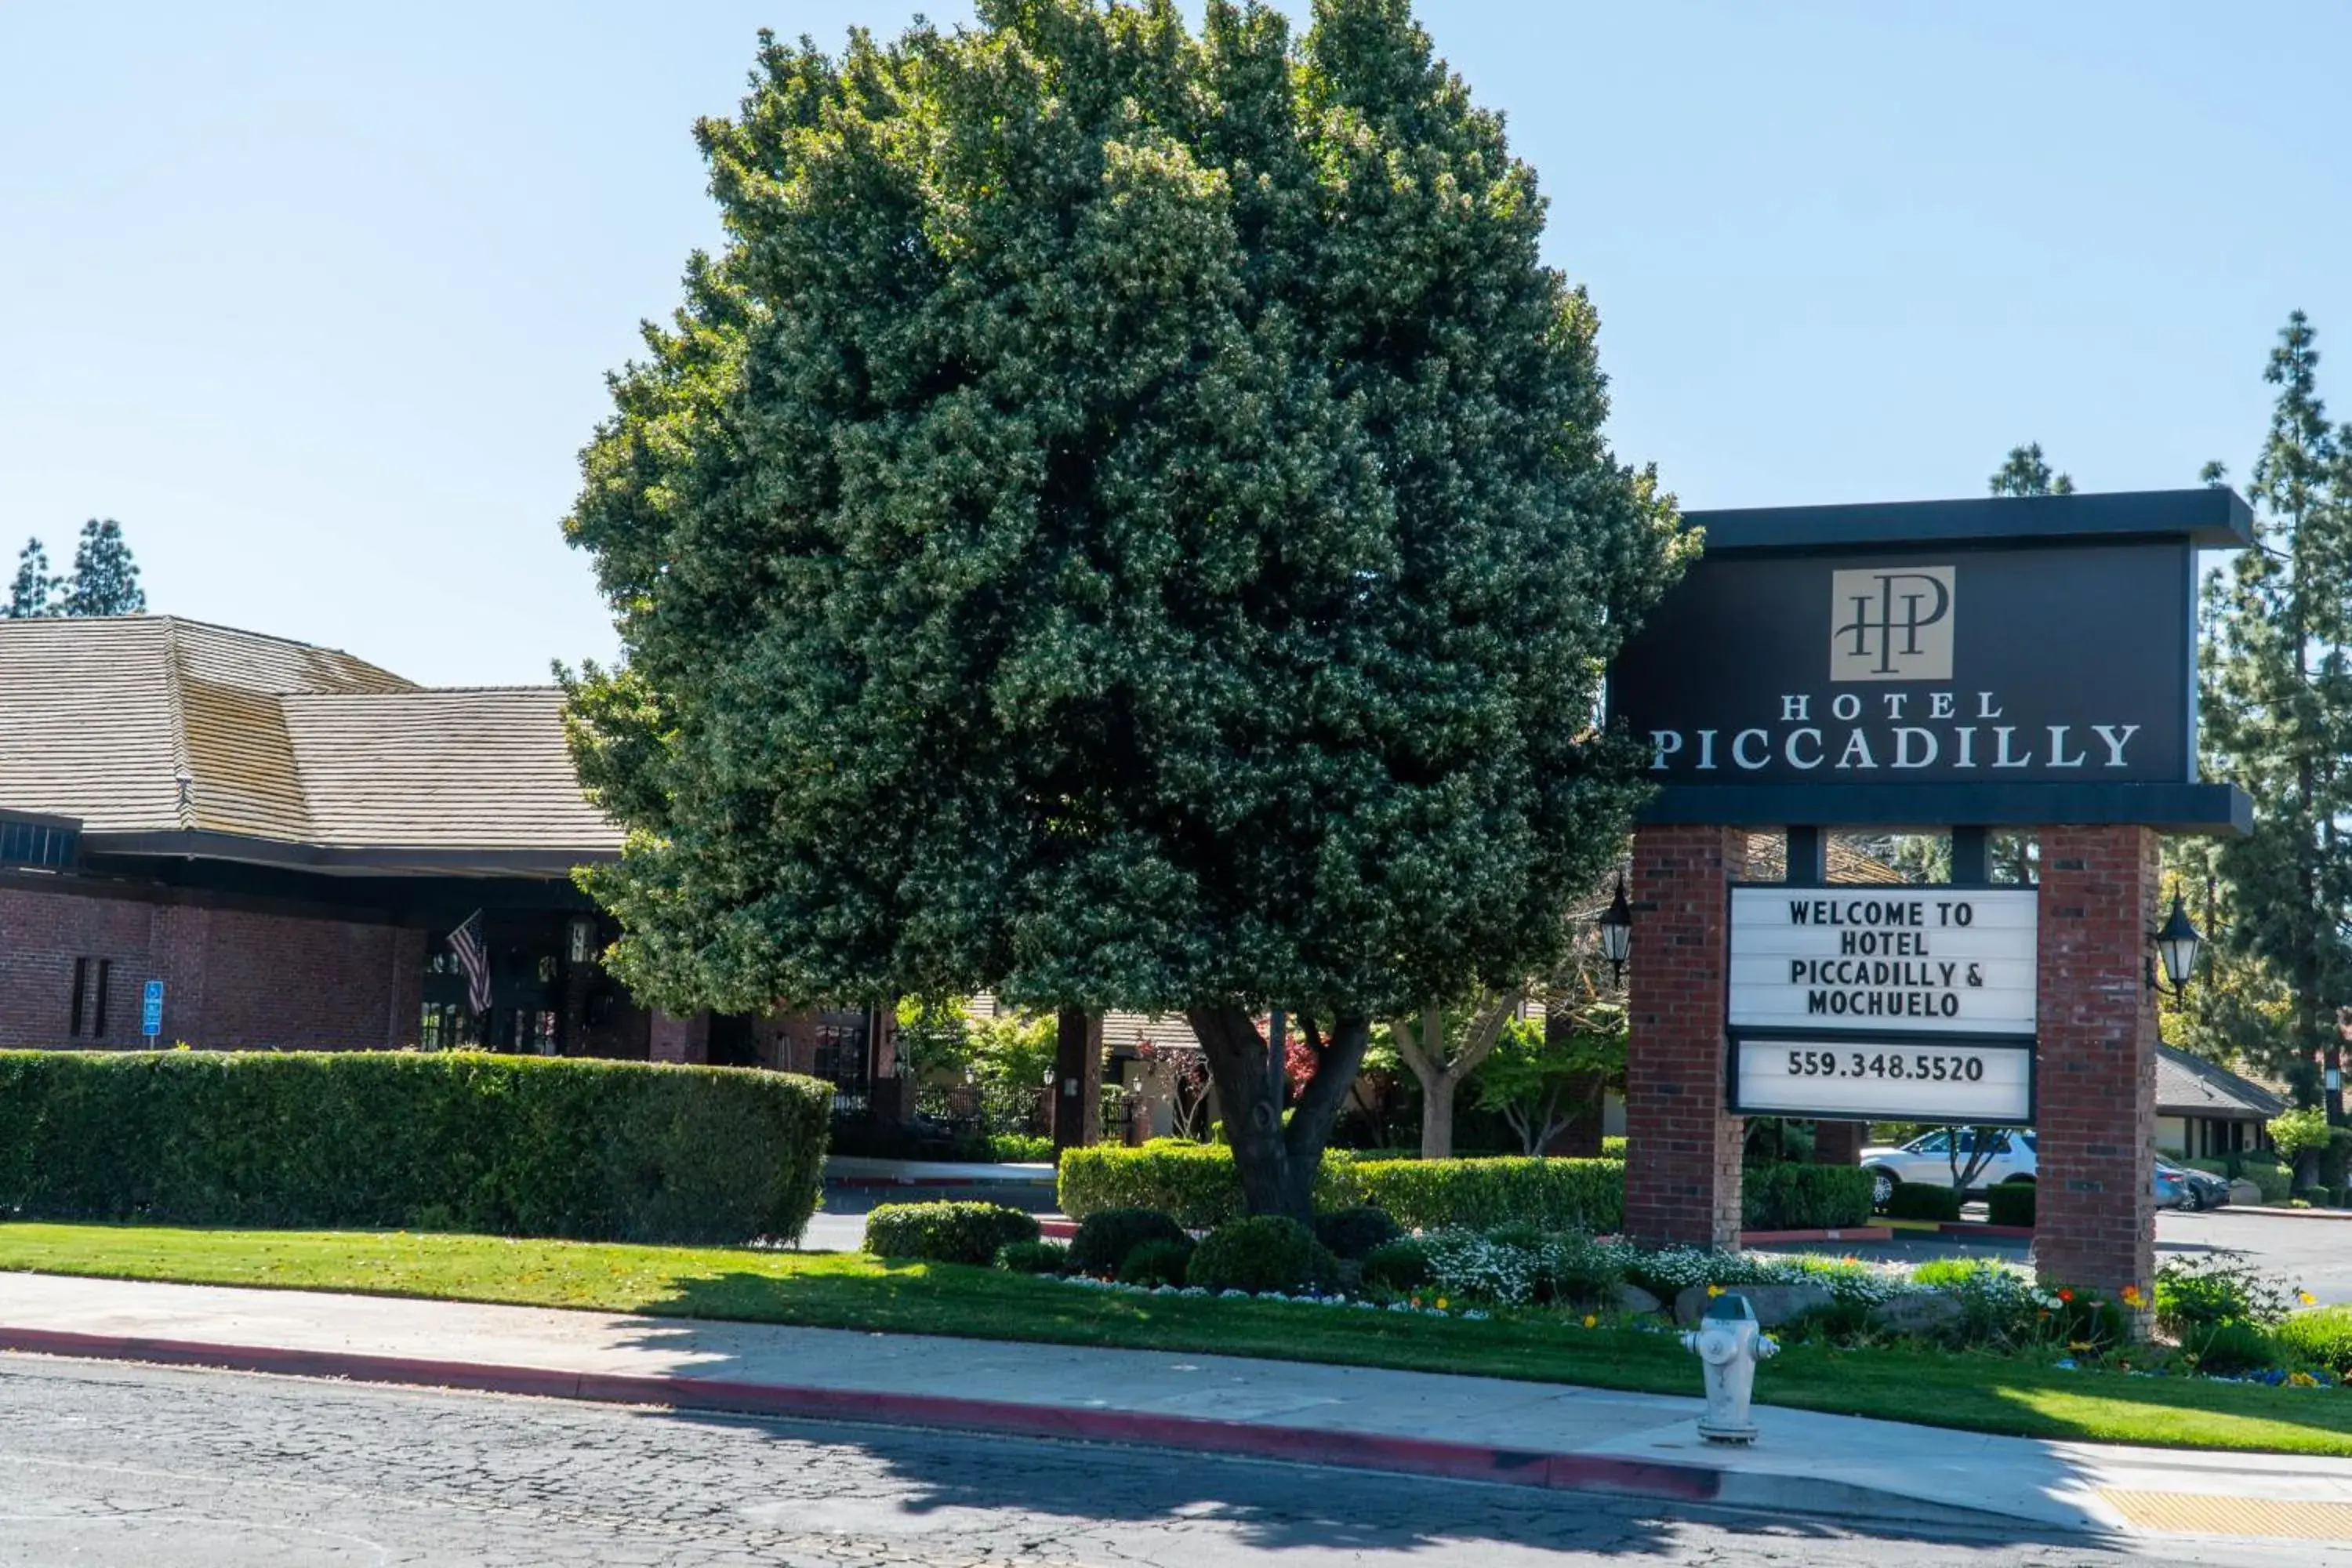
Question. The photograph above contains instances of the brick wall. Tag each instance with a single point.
(233, 979)
(1682, 1177)
(2094, 1220)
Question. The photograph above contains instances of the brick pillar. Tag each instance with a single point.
(1682, 1173)
(1839, 1142)
(676, 1039)
(2095, 1221)
(1077, 1079)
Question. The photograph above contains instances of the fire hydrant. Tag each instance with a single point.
(1729, 1342)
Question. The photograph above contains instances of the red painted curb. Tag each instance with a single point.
(1847, 1233)
(1351, 1450)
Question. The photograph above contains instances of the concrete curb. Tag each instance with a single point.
(1846, 1232)
(1660, 1480)
(2267, 1211)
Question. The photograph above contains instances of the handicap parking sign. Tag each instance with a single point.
(150, 1009)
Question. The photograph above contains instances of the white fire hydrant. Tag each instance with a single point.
(1729, 1342)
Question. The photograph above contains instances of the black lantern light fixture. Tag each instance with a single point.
(1616, 926)
(2177, 942)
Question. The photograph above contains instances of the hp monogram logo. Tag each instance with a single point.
(1891, 624)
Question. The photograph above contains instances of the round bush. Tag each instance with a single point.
(1266, 1252)
(1400, 1266)
(1157, 1263)
(1107, 1236)
(946, 1233)
(1034, 1258)
(1356, 1232)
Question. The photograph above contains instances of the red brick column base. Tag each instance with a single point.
(1682, 1172)
(2094, 1220)
(1839, 1142)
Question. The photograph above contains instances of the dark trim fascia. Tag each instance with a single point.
(139, 891)
(41, 819)
(2218, 809)
(2211, 517)
(204, 845)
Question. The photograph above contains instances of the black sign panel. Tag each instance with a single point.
(1945, 664)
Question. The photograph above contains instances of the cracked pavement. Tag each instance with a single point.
(111, 1464)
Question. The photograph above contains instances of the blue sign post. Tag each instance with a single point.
(150, 1010)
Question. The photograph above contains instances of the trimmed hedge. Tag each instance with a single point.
(1923, 1200)
(2319, 1338)
(1479, 1194)
(1804, 1197)
(2011, 1203)
(463, 1141)
(947, 1233)
(1196, 1184)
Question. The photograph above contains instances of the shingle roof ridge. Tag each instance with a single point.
(183, 798)
(409, 692)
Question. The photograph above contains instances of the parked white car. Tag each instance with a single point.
(1927, 1160)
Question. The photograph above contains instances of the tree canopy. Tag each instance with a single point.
(1124, 522)
(104, 580)
(2025, 472)
(2275, 708)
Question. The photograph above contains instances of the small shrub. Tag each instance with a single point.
(1356, 1232)
(1034, 1258)
(1612, 1148)
(946, 1233)
(1577, 1271)
(2229, 1349)
(1923, 1200)
(1401, 1265)
(2276, 1181)
(1106, 1237)
(2011, 1203)
(2199, 1293)
(2320, 1338)
(1157, 1262)
(1265, 1252)
(1804, 1197)
(1020, 1148)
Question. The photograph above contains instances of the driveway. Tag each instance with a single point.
(2315, 1254)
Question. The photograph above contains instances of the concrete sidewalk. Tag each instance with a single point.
(1465, 1427)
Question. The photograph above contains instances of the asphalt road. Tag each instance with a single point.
(103, 1464)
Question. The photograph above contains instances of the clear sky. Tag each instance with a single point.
(316, 300)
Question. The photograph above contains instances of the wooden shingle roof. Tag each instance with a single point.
(145, 726)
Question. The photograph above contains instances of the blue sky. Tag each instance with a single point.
(318, 300)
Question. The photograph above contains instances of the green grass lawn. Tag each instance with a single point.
(851, 1291)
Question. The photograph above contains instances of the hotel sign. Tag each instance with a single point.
(1890, 1003)
(1984, 666)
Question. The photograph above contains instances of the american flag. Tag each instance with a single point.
(474, 957)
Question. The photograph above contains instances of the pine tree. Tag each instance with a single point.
(34, 592)
(2277, 709)
(2025, 473)
(105, 580)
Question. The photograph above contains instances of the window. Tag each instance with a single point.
(535, 1032)
(86, 1017)
(445, 1026)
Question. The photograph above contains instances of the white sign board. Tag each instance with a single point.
(1849, 1079)
(1893, 963)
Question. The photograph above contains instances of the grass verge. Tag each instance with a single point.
(850, 1290)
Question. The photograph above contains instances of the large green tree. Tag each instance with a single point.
(33, 592)
(1124, 522)
(2276, 707)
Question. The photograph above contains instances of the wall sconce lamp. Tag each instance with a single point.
(2177, 942)
(1616, 928)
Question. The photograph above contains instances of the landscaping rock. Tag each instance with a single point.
(1633, 1299)
(2242, 1191)
(1926, 1316)
(1774, 1304)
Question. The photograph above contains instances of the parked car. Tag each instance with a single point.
(2200, 1189)
(2170, 1191)
(1927, 1160)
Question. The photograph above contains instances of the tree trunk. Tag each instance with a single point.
(1437, 1117)
(1277, 1163)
